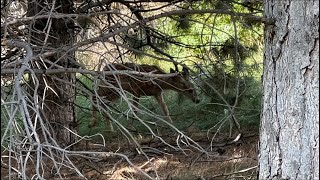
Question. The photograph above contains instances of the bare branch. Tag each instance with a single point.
(24, 20)
(94, 73)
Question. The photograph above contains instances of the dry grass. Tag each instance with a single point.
(222, 163)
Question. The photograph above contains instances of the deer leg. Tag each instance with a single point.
(229, 118)
(94, 117)
(135, 104)
(108, 121)
(94, 120)
(163, 106)
(231, 126)
(109, 124)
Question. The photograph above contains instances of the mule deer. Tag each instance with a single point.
(142, 86)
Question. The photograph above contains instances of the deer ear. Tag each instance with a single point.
(171, 70)
(185, 71)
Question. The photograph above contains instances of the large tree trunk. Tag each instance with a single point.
(289, 137)
(52, 34)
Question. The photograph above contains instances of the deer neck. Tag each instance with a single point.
(168, 84)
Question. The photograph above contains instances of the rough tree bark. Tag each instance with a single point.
(53, 34)
(289, 137)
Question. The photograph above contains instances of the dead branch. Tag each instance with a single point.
(94, 73)
(24, 20)
(237, 172)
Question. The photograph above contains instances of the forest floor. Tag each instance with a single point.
(226, 159)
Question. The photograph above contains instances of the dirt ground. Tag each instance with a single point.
(226, 159)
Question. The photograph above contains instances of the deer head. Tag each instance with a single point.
(181, 83)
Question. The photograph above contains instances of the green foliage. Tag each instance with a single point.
(199, 31)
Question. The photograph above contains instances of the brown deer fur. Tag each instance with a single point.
(144, 86)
